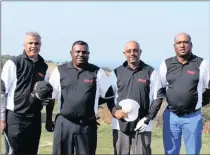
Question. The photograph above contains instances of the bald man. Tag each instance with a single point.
(137, 82)
(20, 119)
(184, 77)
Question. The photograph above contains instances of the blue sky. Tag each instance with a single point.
(106, 27)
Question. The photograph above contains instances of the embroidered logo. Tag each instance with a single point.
(41, 74)
(88, 81)
(190, 72)
(142, 80)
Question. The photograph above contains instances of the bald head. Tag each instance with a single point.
(181, 35)
(132, 52)
(132, 43)
(182, 45)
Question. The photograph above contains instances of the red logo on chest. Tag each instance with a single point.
(88, 81)
(142, 80)
(41, 74)
(190, 72)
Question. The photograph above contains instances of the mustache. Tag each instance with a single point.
(83, 57)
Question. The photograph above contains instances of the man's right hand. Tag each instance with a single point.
(119, 114)
(3, 126)
(49, 126)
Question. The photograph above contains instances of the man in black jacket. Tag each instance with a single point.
(21, 114)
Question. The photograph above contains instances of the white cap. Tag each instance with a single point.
(131, 107)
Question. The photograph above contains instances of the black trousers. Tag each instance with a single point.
(24, 132)
(71, 137)
(6, 146)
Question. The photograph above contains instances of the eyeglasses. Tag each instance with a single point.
(133, 50)
(35, 43)
(83, 52)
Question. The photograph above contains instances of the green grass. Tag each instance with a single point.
(105, 144)
(105, 141)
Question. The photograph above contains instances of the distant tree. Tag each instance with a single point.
(49, 61)
(4, 58)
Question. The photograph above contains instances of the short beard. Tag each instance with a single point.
(135, 63)
(185, 56)
(81, 65)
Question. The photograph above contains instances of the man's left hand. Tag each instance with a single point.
(3, 126)
(45, 102)
(142, 125)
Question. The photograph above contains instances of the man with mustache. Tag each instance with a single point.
(184, 77)
(21, 118)
(134, 81)
(77, 86)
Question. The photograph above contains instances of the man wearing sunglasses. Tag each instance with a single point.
(21, 113)
(77, 87)
(133, 82)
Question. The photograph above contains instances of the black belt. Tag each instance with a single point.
(80, 121)
(180, 113)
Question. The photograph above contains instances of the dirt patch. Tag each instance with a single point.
(206, 128)
(105, 114)
(106, 117)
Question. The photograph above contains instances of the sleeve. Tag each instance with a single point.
(206, 82)
(3, 101)
(206, 75)
(157, 94)
(104, 85)
(7, 74)
(156, 86)
(112, 104)
(47, 76)
(3, 107)
(7, 78)
(162, 74)
(113, 81)
(55, 82)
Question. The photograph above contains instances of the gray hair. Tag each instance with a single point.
(34, 34)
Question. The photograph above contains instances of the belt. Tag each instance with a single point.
(180, 113)
(80, 121)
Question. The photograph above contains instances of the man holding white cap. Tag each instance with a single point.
(136, 85)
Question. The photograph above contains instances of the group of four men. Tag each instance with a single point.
(78, 85)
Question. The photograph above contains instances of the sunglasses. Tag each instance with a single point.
(35, 43)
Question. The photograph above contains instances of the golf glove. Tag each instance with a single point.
(142, 125)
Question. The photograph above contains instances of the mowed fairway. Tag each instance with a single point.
(105, 141)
